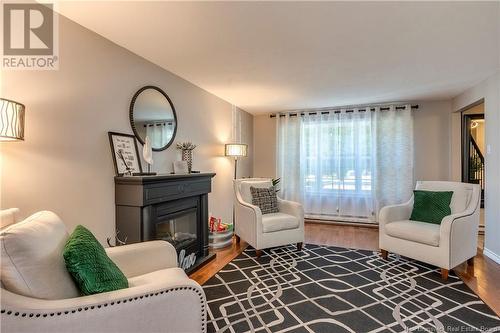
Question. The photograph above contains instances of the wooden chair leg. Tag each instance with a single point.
(258, 253)
(238, 239)
(470, 266)
(299, 246)
(384, 254)
(444, 274)
(470, 262)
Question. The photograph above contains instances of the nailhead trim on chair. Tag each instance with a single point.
(92, 307)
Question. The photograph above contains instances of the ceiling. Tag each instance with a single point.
(273, 56)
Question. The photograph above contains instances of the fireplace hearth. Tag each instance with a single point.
(173, 208)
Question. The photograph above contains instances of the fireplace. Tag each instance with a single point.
(173, 208)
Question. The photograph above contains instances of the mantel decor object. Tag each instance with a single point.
(11, 120)
(180, 167)
(186, 149)
(125, 154)
(152, 114)
(147, 154)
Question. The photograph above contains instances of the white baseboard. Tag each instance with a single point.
(492, 255)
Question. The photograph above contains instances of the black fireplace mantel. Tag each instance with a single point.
(144, 202)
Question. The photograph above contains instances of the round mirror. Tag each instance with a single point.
(152, 115)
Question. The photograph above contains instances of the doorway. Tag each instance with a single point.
(474, 150)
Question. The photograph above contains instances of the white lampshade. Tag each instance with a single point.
(11, 120)
(236, 150)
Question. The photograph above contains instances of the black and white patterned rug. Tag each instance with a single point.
(332, 289)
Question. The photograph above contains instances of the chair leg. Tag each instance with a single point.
(444, 274)
(384, 254)
(470, 266)
(470, 262)
(258, 253)
(238, 239)
(299, 246)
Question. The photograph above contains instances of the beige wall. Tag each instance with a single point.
(489, 90)
(432, 142)
(65, 163)
(264, 142)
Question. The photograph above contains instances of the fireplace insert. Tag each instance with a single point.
(178, 228)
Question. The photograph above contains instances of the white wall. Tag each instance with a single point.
(431, 135)
(489, 90)
(65, 163)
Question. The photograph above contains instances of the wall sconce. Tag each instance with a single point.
(11, 120)
(236, 150)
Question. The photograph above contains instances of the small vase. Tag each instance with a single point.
(187, 155)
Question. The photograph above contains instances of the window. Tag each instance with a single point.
(346, 164)
(337, 159)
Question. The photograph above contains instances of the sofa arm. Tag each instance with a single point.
(248, 222)
(394, 213)
(458, 232)
(291, 208)
(141, 258)
(175, 305)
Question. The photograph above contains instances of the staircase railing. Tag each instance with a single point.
(476, 163)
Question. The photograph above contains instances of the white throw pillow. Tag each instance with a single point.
(32, 260)
(246, 195)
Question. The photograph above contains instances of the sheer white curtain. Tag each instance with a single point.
(346, 163)
(336, 165)
(159, 133)
(394, 172)
(289, 157)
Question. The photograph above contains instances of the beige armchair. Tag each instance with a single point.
(446, 245)
(268, 230)
(37, 293)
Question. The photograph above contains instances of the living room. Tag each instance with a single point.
(315, 141)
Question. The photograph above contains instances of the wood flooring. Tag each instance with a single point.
(483, 279)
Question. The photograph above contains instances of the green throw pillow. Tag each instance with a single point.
(431, 206)
(90, 266)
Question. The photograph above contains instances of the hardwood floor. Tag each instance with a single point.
(223, 257)
(484, 279)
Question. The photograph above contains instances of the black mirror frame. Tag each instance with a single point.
(131, 116)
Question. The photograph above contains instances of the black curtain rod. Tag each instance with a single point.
(338, 111)
(157, 124)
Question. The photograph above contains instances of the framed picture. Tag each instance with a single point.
(181, 167)
(125, 153)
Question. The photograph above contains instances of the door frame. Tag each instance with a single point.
(466, 119)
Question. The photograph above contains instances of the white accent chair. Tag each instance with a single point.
(446, 245)
(268, 230)
(38, 294)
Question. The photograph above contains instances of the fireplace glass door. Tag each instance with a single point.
(178, 228)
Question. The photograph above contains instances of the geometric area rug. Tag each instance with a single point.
(332, 289)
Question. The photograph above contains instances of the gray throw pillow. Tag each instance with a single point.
(265, 199)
